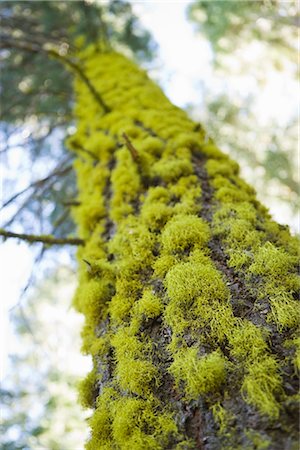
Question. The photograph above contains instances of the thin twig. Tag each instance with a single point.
(131, 148)
(39, 183)
(46, 239)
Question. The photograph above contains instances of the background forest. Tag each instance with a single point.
(230, 64)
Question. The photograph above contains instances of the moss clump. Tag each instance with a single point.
(223, 418)
(171, 170)
(273, 261)
(136, 376)
(261, 384)
(130, 423)
(149, 306)
(125, 185)
(183, 233)
(87, 390)
(247, 341)
(189, 281)
(275, 266)
(200, 375)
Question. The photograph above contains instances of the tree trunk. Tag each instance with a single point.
(187, 286)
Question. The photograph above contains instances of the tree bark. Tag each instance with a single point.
(187, 286)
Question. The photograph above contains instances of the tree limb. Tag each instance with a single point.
(45, 239)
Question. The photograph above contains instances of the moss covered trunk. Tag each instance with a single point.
(187, 286)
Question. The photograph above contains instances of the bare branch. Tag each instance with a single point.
(131, 148)
(45, 239)
(58, 171)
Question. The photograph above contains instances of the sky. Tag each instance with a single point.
(183, 65)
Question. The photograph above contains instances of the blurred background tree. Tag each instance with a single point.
(39, 402)
(254, 45)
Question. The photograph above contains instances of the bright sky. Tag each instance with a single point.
(183, 66)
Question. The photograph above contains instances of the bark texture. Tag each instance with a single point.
(187, 286)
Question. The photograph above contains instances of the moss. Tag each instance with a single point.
(285, 311)
(258, 441)
(156, 214)
(261, 384)
(136, 376)
(163, 264)
(188, 281)
(132, 416)
(152, 145)
(247, 341)
(127, 293)
(294, 343)
(273, 261)
(200, 375)
(171, 170)
(223, 418)
(150, 290)
(125, 185)
(92, 297)
(225, 168)
(198, 298)
(183, 233)
(87, 390)
(149, 305)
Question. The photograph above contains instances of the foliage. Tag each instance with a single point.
(39, 405)
(230, 24)
(254, 47)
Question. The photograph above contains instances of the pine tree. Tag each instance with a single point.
(187, 285)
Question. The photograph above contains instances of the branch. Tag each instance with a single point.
(45, 239)
(58, 171)
(131, 148)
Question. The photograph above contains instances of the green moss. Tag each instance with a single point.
(163, 264)
(151, 260)
(198, 298)
(132, 416)
(92, 297)
(258, 441)
(261, 384)
(127, 293)
(149, 305)
(223, 418)
(188, 281)
(87, 390)
(247, 341)
(136, 376)
(170, 170)
(125, 185)
(285, 311)
(152, 145)
(183, 233)
(273, 261)
(225, 168)
(156, 214)
(295, 343)
(199, 374)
